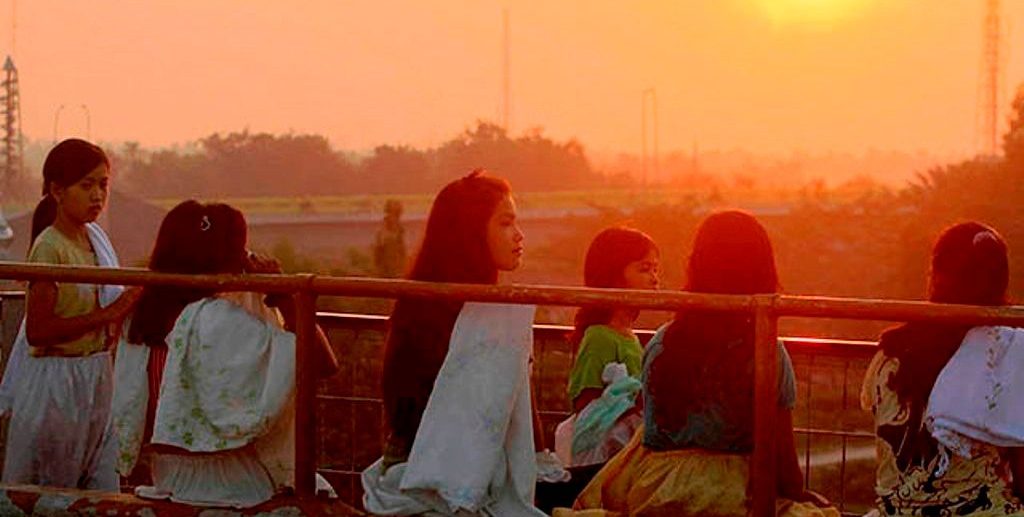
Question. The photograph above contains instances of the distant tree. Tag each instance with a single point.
(400, 169)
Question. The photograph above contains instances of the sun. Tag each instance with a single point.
(820, 13)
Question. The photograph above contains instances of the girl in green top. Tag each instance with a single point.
(623, 258)
(603, 382)
(604, 413)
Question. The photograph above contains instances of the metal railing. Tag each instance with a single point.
(765, 309)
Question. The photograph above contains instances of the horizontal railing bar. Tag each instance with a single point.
(829, 432)
(138, 276)
(895, 310)
(782, 305)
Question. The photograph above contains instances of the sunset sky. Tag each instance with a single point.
(761, 75)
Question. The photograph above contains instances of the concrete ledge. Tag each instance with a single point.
(24, 500)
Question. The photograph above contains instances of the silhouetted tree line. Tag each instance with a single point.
(261, 164)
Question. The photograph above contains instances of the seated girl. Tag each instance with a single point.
(456, 380)
(948, 398)
(205, 381)
(604, 380)
(691, 456)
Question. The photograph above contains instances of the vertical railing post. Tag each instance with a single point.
(763, 462)
(305, 396)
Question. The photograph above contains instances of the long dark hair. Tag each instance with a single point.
(708, 356)
(194, 238)
(66, 164)
(454, 249)
(969, 265)
(607, 257)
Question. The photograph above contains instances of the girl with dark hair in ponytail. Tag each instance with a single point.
(606, 368)
(58, 383)
(204, 392)
(948, 398)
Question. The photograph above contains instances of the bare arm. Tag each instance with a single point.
(323, 354)
(790, 478)
(44, 328)
(539, 443)
(1016, 457)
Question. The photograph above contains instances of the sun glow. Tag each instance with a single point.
(814, 13)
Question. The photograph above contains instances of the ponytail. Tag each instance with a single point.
(43, 216)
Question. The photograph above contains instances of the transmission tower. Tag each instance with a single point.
(988, 99)
(10, 111)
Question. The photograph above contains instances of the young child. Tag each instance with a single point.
(59, 381)
(606, 369)
(456, 375)
(205, 380)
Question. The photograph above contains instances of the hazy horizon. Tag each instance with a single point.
(766, 76)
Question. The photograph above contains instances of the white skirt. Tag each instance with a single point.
(60, 433)
(233, 478)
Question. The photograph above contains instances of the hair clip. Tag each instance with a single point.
(984, 235)
(205, 223)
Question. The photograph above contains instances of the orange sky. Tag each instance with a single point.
(855, 74)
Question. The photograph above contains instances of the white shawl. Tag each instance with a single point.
(474, 448)
(131, 395)
(105, 257)
(979, 395)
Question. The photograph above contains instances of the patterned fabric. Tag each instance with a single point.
(937, 484)
(229, 382)
(986, 368)
(687, 482)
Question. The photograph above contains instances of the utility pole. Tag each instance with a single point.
(989, 86)
(648, 98)
(505, 70)
(10, 112)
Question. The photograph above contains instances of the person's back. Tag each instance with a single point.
(917, 473)
(221, 431)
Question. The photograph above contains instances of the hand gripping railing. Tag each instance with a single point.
(766, 309)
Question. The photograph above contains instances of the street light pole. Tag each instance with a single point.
(56, 121)
(88, 126)
(649, 93)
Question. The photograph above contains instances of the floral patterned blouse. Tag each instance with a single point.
(928, 486)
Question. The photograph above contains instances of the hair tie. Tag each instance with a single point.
(204, 224)
(984, 235)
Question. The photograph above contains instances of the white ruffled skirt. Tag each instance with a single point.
(60, 433)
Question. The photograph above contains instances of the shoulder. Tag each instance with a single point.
(601, 338)
(47, 247)
(599, 334)
(656, 344)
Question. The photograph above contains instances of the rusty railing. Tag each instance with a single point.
(766, 309)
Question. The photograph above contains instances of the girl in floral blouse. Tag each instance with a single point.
(917, 475)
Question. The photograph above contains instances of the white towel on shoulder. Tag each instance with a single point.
(473, 452)
(979, 395)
